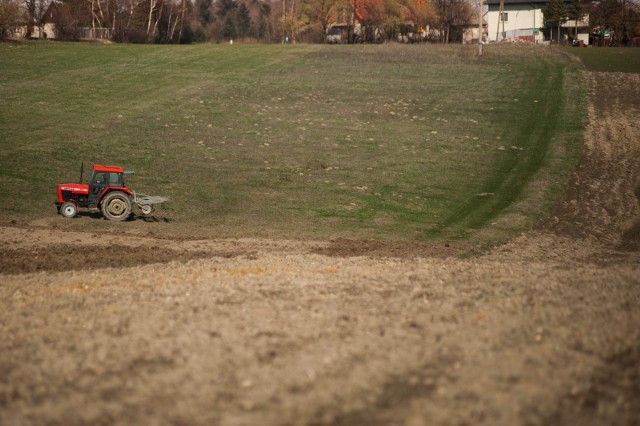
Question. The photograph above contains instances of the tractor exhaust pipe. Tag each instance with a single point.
(81, 170)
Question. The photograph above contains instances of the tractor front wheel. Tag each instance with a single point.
(116, 206)
(69, 209)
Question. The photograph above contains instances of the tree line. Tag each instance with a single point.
(186, 21)
(619, 19)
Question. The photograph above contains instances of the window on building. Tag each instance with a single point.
(505, 16)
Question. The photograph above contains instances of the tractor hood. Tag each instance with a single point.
(75, 188)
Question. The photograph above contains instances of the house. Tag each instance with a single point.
(469, 31)
(48, 27)
(523, 20)
(48, 21)
(45, 27)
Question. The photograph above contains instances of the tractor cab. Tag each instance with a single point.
(104, 177)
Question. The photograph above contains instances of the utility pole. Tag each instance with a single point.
(480, 29)
(500, 19)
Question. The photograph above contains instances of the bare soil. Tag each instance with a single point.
(118, 328)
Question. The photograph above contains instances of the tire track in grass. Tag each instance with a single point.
(509, 180)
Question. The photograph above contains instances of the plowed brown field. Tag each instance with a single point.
(543, 330)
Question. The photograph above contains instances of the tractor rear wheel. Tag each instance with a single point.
(116, 206)
(68, 209)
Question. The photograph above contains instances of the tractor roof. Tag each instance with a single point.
(114, 169)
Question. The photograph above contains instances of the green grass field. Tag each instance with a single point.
(385, 142)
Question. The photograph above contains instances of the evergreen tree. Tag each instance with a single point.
(204, 11)
(264, 32)
(555, 12)
(243, 21)
(574, 12)
(226, 7)
(229, 28)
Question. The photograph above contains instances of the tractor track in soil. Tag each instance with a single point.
(541, 330)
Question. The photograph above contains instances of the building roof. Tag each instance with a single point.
(51, 15)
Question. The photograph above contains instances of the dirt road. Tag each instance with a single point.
(542, 330)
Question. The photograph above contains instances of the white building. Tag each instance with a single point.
(524, 20)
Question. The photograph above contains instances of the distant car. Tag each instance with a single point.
(337, 34)
(334, 38)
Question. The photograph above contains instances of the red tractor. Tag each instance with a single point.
(107, 192)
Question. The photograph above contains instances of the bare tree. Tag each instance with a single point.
(450, 13)
(153, 4)
(323, 13)
(33, 12)
(9, 17)
(620, 18)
